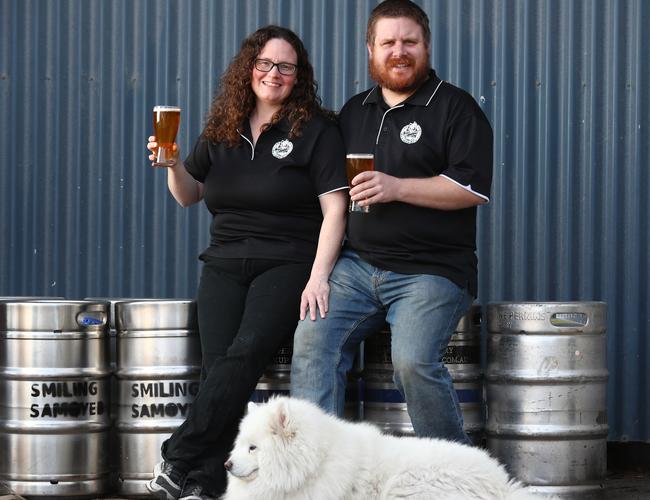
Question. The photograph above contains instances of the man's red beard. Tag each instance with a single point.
(399, 83)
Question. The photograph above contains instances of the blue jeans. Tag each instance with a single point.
(422, 311)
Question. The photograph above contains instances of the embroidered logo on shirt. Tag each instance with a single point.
(282, 149)
(410, 133)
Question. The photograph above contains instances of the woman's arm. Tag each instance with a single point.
(315, 296)
(185, 189)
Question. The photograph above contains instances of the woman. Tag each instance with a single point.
(270, 167)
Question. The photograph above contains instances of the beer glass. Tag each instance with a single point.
(354, 165)
(165, 125)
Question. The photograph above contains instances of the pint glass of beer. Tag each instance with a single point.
(354, 165)
(165, 126)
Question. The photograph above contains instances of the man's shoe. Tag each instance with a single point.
(166, 482)
(194, 491)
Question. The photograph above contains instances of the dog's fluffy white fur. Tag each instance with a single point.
(289, 449)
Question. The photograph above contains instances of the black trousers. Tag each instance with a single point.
(247, 310)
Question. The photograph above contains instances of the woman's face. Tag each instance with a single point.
(272, 87)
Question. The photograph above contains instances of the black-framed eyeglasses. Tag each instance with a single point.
(285, 68)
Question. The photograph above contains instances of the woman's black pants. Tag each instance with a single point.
(247, 310)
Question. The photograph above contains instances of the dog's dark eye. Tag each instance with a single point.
(252, 447)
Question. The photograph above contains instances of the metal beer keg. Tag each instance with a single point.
(113, 452)
(277, 376)
(158, 369)
(276, 380)
(54, 397)
(546, 394)
(383, 404)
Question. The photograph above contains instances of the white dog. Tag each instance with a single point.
(290, 449)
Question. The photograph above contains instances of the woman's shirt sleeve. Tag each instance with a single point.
(327, 168)
(197, 162)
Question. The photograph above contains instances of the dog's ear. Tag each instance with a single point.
(281, 422)
(252, 407)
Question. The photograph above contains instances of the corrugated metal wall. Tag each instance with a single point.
(566, 85)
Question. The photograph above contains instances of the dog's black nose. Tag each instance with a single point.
(228, 465)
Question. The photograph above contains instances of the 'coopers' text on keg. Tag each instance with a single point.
(522, 316)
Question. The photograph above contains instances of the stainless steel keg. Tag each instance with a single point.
(158, 369)
(383, 404)
(546, 394)
(113, 451)
(276, 380)
(54, 397)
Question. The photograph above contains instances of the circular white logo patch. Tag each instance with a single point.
(282, 149)
(410, 133)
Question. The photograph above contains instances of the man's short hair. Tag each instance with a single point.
(398, 8)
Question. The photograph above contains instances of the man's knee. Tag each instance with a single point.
(308, 337)
(413, 367)
(404, 366)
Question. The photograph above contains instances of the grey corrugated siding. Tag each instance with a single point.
(566, 85)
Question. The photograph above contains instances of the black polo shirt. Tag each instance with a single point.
(264, 199)
(439, 130)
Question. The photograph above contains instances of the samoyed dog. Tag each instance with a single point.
(289, 449)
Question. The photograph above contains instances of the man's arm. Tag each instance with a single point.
(437, 192)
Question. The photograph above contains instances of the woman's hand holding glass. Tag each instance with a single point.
(152, 146)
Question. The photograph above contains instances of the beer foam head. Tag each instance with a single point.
(166, 108)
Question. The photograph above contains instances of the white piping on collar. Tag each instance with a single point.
(249, 142)
(395, 107)
(382, 120)
(428, 102)
(371, 91)
(434, 92)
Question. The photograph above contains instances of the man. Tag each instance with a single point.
(410, 261)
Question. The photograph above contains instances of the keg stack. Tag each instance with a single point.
(54, 397)
(157, 373)
(546, 394)
(383, 404)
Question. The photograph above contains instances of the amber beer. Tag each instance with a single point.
(166, 120)
(354, 165)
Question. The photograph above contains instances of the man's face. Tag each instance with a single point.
(398, 56)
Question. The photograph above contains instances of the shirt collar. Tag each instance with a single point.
(421, 97)
(283, 126)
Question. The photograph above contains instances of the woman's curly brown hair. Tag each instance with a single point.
(236, 100)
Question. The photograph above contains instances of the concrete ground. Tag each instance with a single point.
(629, 485)
(628, 479)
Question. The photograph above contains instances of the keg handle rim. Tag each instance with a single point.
(90, 318)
